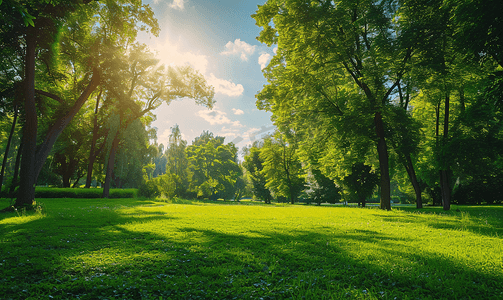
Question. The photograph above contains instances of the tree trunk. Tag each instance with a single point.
(110, 165)
(409, 167)
(92, 154)
(79, 176)
(444, 173)
(58, 127)
(16, 169)
(7, 148)
(382, 150)
(26, 192)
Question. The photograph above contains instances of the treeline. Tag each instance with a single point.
(207, 169)
(408, 91)
(77, 93)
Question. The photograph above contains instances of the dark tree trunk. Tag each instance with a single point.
(58, 127)
(14, 183)
(66, 180)
(444, 173)
(409, 167)
(110, 165)
(79, 176)
(382, 151)
(437, 137)
(7, 148)
(286, 167)
(26, 192)
(33, 160)
(92, 154)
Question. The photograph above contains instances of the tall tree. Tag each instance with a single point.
(138, 84)
(176, 161)
(42, 20)
(318, 39)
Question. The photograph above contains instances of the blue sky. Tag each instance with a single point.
(218, 38)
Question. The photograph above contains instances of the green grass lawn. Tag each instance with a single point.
(141, 249)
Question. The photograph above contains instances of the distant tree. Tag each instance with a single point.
(282, 168)
(160, 161)
(254, 166)
(361, 183)
(320, 188)
(177, 163)
(213, 167)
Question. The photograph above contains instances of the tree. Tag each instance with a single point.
(320, 188)
(138, 85)
(177, 162)
(282, 168)
(213, 167)
(42, 20)
(361, 182)
(41, 23)
(404, 135)
(478, 27)
(253, 163)
(7, 147)
(316, 40)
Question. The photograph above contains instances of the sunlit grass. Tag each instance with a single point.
(128, 248)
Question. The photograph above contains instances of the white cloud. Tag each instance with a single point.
(163, 138)
(229, 133)
(239, 48)
(238, 111)
(217, 117)
(177, 4)
(275, 50)
(225, 87)
(263, 60)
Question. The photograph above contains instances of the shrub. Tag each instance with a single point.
(47, 192)
(149, 189)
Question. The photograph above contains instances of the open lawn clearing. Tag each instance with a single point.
(129, 248)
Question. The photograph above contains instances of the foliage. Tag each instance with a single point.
(149, 189)
(360, 183)
(282, 168)
(131, 156)
(253, 163)
(213, 167)
(331, 79)
(177, 163)
(321, 189)
(130, 248)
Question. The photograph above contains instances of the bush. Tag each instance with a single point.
(479, 192)
(45, 192)
(149, 189)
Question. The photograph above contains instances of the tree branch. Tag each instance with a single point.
(47, 94)
(330, 101)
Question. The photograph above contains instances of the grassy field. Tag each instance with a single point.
(141, 249)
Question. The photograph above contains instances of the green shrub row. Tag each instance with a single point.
(46, 192)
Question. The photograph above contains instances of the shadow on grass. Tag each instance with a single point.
(484, 220)
(87, 253)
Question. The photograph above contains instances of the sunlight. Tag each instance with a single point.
(169, 53)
